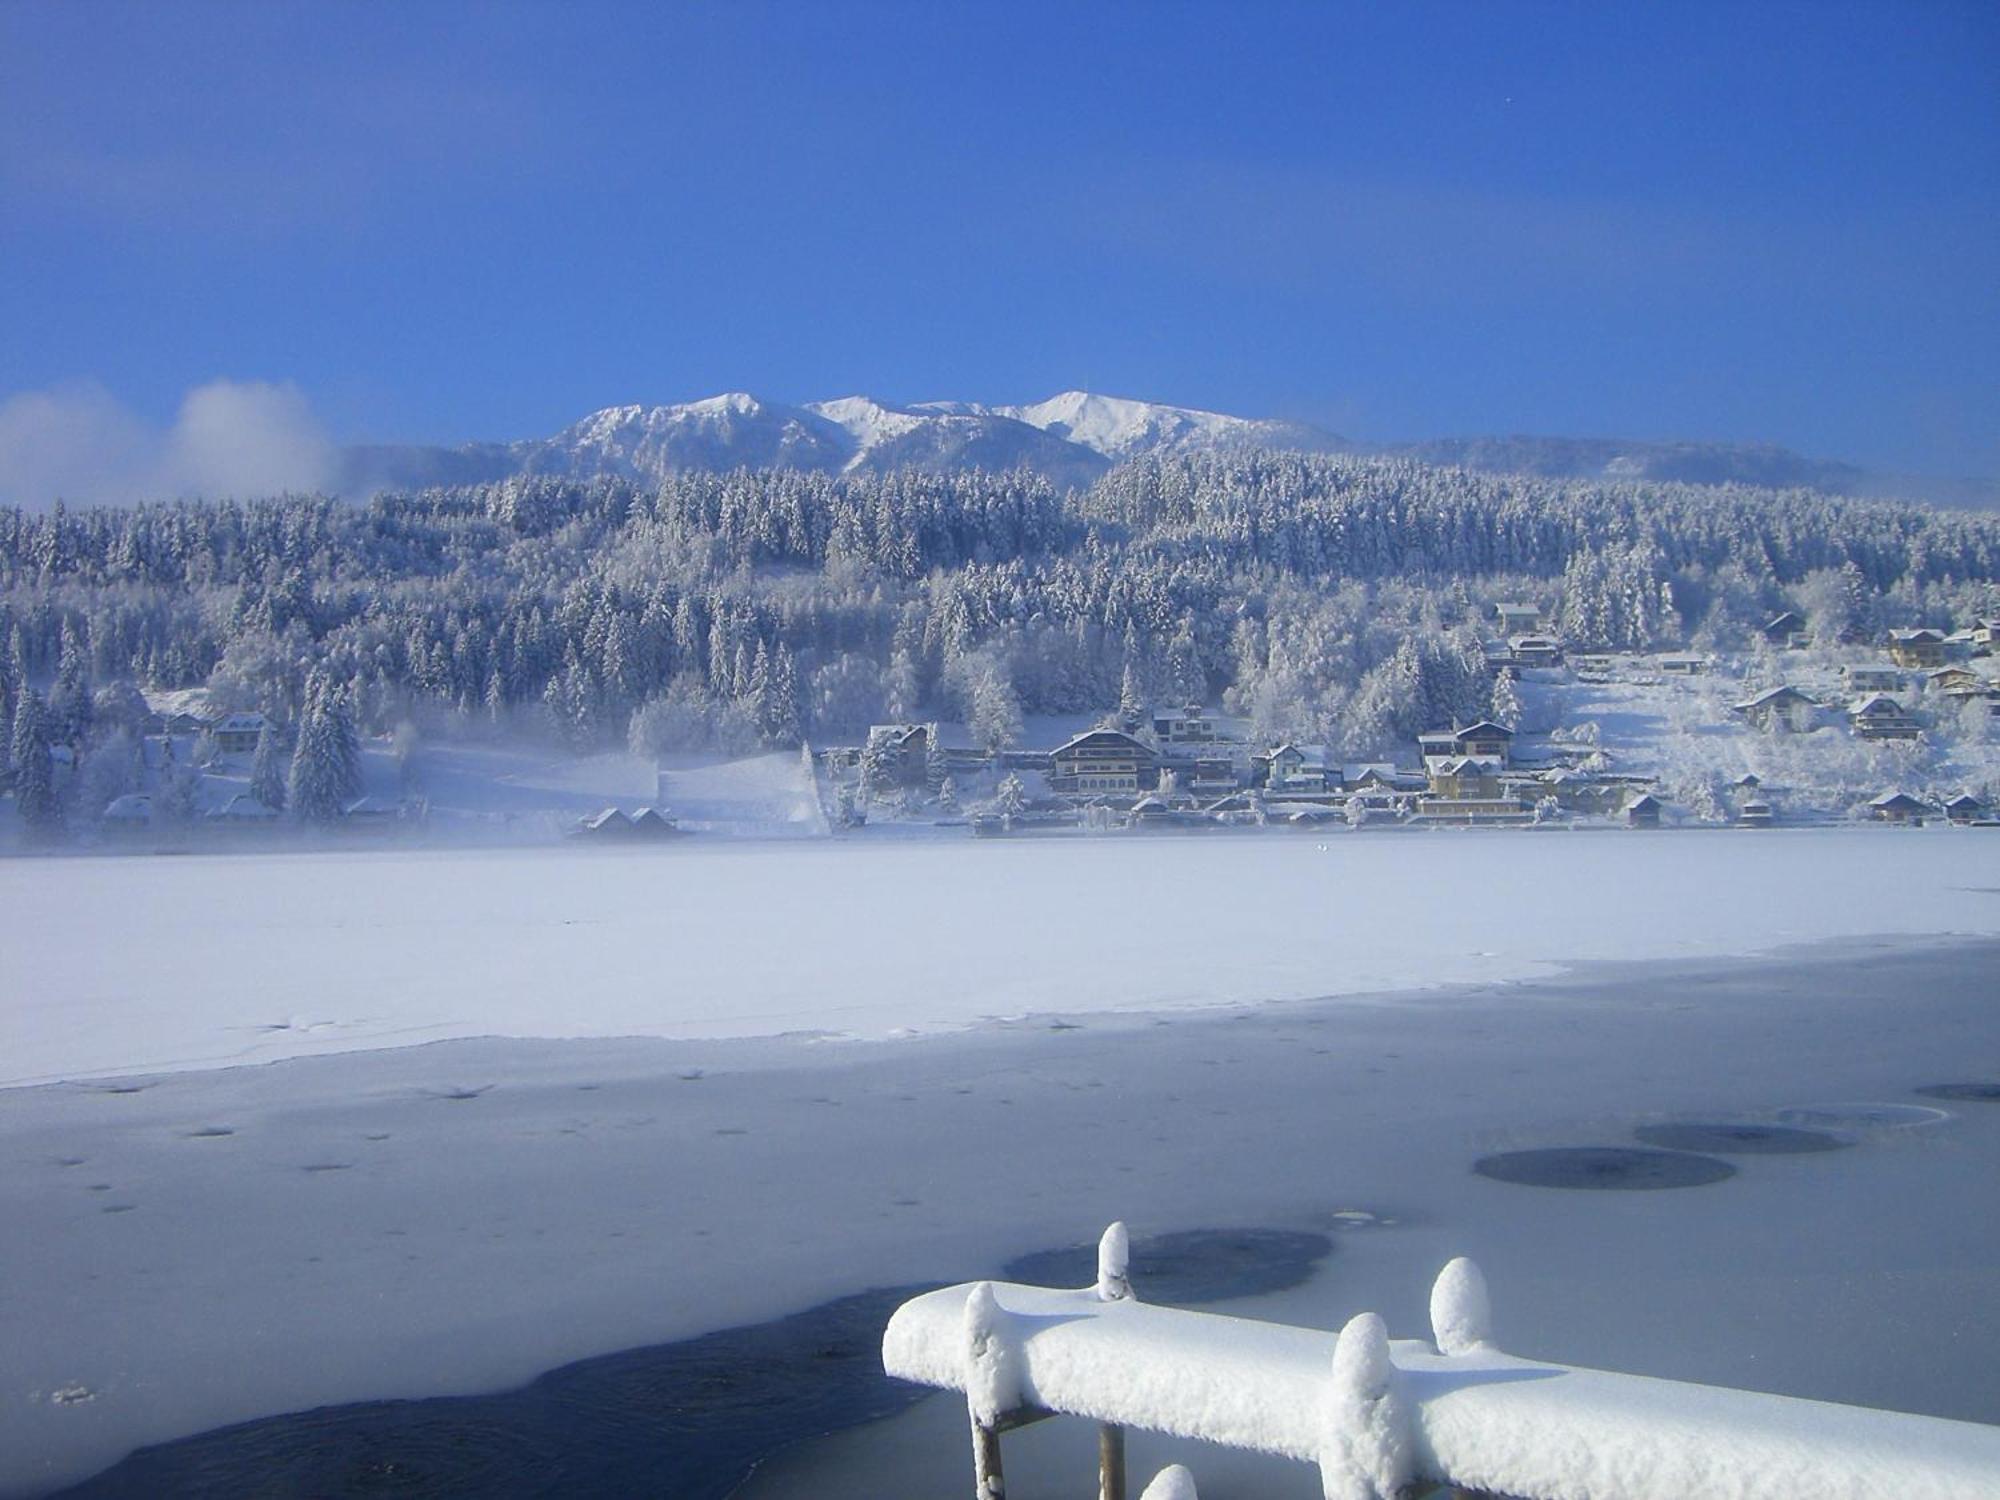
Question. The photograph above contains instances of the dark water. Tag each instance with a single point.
(1986, 1092)
(1611, 1168)
(686, 1420)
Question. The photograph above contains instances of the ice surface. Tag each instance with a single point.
(145, 964)
(183, 1246)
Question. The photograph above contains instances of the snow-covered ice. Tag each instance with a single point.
(185, 1244)
(144, 964)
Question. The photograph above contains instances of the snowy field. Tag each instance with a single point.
(632, 1121)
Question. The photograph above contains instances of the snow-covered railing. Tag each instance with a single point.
(1385, 1418)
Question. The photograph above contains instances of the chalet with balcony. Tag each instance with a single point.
(1466, 777)
(1874, 679)
(1188, 726)
(1957, 682)
(1535, 650)
(1922, 647)
(1106, 762)
(237, 733)
(1880, 717)
(1782, 710)
(1482, 741)
(1788, 630)
(1297, 769)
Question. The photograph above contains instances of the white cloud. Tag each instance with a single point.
(80, 444)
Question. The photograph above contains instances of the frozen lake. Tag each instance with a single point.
(184, 1245)
(155, 963)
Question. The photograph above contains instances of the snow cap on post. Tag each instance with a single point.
(992, 1379)
(1171, 1483)
(1114, 1253)
(1366, 1454)
(1461, 1316)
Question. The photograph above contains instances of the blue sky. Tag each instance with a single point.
(442, 222)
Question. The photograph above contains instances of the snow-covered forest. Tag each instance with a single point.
(1322, 597)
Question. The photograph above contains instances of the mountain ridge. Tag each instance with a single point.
(1069, 439)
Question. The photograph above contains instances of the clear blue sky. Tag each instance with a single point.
(443, 222)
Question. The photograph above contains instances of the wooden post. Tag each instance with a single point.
(988, 1483)
(1110, 1462)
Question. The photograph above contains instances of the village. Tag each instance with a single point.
(1793, 732)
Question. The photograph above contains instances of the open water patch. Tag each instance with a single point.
(1191, 1266)
(1988, 1093)
(687, 1419)
(1740, 1139)
(1605, 1168)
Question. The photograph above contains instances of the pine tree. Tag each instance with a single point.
(318, 777)
(267, 770)
(1131, 702)
(1012, 797)
(70, 711)
(937, 765)
(34, 769)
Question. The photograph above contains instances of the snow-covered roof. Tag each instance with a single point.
(133, 807)
(1895, 799)
(1921, 635)
(1102, 737)
(1877, 705)
(1785, 694)
(1469, 765)
(241, 722)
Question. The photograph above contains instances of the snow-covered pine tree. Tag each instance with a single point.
(317, 781)
(1011, 797)
(267, 770)
(937, 767)
(34, 769)
(69, 711)
(1131, 701)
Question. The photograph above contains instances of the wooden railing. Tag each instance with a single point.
(1387, 1419)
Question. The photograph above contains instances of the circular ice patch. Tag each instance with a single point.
(1987, 1092)
(1615, 1168)
(1758, 1140)
(1862, 1117)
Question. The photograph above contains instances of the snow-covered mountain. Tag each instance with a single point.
(1069, 439)
(1119, 428)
